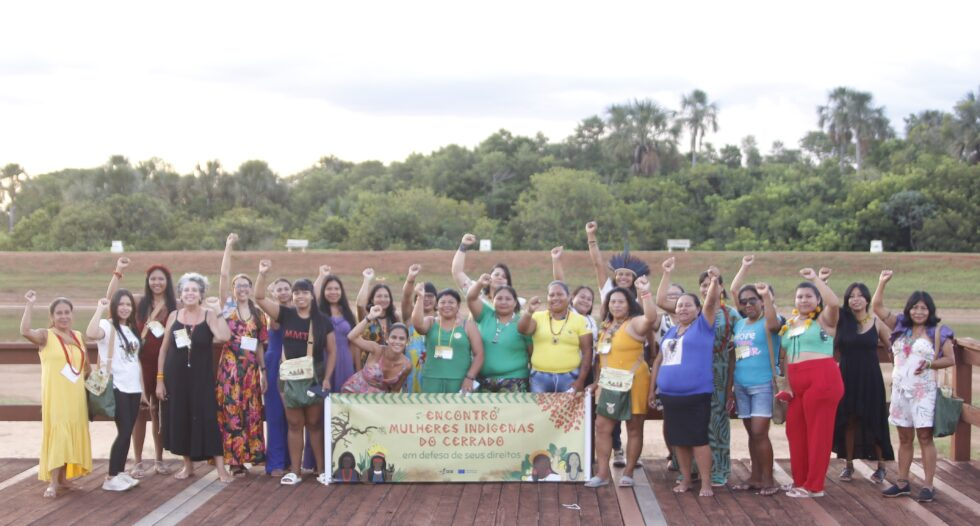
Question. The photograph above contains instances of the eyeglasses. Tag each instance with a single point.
(243, 286)
(750, 301)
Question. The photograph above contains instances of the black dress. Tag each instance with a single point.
(864, 393)
(190, 413)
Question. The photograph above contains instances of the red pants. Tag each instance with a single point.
(817, 389)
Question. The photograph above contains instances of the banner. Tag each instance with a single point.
(479, 437)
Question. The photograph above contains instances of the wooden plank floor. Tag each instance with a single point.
(258, 499)
(848, 503)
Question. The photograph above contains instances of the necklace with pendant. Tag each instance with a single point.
(551, 328)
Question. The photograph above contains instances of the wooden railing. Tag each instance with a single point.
(967, 357)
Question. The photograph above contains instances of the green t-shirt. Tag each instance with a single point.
(451, 368)
(507, 358)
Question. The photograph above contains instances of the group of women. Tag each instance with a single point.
(286, 345)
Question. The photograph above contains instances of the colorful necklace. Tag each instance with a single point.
(551, 328)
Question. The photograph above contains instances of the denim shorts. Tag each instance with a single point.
(754, 400)
(542, 382)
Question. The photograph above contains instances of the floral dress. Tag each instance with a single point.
(913, 395)
(239, 394)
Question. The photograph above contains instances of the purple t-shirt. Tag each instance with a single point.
(902, 326)
(686, 366)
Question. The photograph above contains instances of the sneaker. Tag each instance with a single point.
(847, 474)
(596, 482)
(926, 495)
(116, 483)
(129, 479)
(619, 460)
(878, 476)
(896, 491)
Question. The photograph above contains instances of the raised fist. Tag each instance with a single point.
(31, 296)
(468, 239)
(376, 312)
(414, 270)
(556, 252)
(748, 260)
(122, 263)
(264, 266)
(324, 271)
(642, 284)
(103, 304)
(885, 276)
(591, 227)
(368, 274)
(533, 304)
(485, 280)
(668, 264)
(232, 239)
(808, 273)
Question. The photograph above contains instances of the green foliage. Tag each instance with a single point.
(622, 169)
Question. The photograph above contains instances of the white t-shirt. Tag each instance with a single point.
(126, 369)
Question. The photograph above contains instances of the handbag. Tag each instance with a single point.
(98, 386)
(615, 398)
(948, 406)
(779, 383)
(296, 376)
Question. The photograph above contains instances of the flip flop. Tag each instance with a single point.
(50, 493)
(160, 467)
(626, 482)
(290, 479)
(768, 492)
(745, 486)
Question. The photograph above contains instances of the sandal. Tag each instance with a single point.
(745, 487)
(787, 487)
(290, 479)
(803, 493)
(323, 478)
(160, 467)
(626, 482)
(50, 493)
(768, 492)
(879, 475)
(138, 471)
(847, 474)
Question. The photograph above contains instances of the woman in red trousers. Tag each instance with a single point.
(815, 385)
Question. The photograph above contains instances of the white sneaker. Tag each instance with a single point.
(619, 460)
(129, 479)
(116, 483)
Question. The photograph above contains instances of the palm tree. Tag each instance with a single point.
(697, 116)
(643, 130)
(966, 125)
(10, 181)
(850, 116)
(834, 117)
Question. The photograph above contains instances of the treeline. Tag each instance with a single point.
(845, 184)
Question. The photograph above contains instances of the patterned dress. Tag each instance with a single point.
(719, 425)
(239, 395)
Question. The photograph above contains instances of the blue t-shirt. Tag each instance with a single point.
(752, 352)
(686, 365)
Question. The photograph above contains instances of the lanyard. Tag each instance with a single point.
(451, 334)
(81, 351)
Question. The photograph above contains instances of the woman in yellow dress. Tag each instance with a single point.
(66, 451)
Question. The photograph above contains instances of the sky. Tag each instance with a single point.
(291, 82)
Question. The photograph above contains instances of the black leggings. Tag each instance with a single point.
(127, 408)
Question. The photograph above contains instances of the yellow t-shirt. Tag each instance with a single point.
(565, 355)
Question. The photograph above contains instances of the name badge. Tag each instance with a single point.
(69, 374)
(156, 328)
(249, 343)
(604, 348)
(444, 352)
(796, 331)
(743, 351)
(182, 339)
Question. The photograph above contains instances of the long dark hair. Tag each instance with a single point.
(816, 292)
(850, 290)
(118, 322)
(344, 305)
(634, 307)
(506, 269)
(924, 297)
(389, 313)
(253, 309)
(146, 302)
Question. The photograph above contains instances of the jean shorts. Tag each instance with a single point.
(542, 382)
(754, 400)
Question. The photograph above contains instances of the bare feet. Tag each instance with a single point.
(224, 476)
(50, 492)
(706, 491)
(160, 467)
(681, 487)
(184, 472)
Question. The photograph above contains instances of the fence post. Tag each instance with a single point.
(962, 388)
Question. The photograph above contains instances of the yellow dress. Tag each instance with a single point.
(64, 411)
(625, 353)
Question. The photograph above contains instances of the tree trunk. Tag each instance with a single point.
(11, 210)
(694, 152)
(857, 150)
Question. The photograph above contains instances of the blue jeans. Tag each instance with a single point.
(754, 400)
(542, 382)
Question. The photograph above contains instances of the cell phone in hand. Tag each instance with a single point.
(317, 390)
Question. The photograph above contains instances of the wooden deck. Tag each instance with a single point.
(259, 499)
(858, 502)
